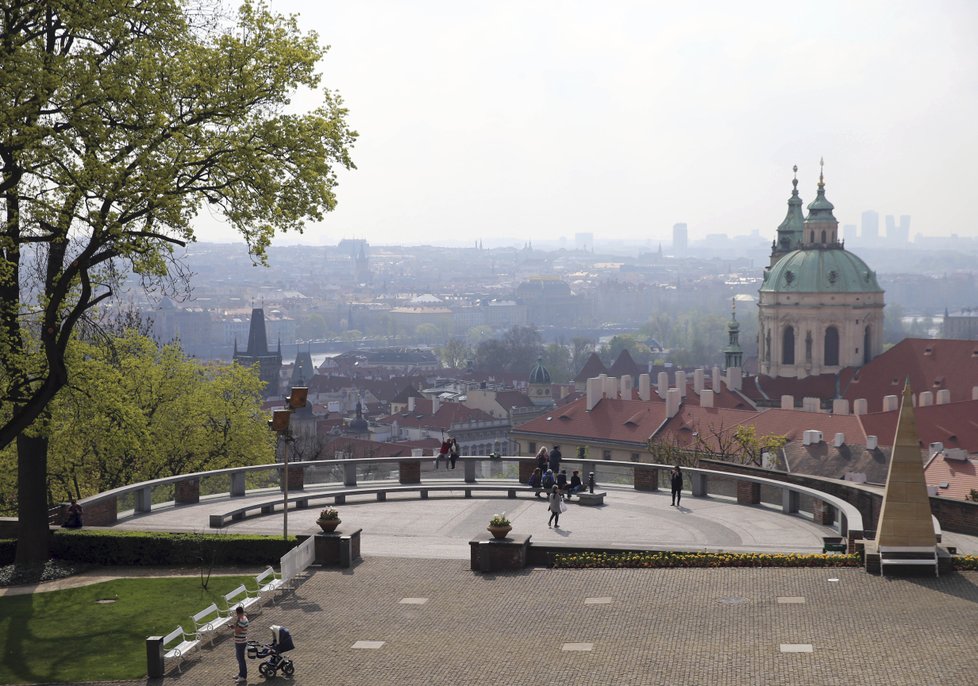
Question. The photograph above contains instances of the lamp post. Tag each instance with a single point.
(280, 424)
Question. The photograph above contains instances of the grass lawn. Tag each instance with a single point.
(67, 636)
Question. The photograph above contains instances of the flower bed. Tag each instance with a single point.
(966, 562)
(670, 559)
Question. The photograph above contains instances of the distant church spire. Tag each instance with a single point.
(733, 354)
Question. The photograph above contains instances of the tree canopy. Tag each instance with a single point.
(118, 122)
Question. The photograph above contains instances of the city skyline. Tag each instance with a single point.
(482, 121)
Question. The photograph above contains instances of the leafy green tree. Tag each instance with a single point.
(117, 122)
(134, 412)
(455, 353)
(557, 360)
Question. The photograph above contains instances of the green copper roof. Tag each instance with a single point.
(539, 373)
(820, 270)
(790, 230)
(820, 209)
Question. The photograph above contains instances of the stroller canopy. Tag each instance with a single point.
(281, 638)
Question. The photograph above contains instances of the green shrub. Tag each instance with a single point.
(146, 548)
(587, 560)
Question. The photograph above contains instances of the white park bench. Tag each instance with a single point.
(242, 597)
(908, 555)
(268, 582)
(208, 622)
(177, 644)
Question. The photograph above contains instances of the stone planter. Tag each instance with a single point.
(499, 532)
(328, 525)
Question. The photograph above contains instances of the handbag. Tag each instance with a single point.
(563, 506)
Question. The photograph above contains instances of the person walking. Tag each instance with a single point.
(554, 504)
(240, 626)
(453, 452)
(676, 478)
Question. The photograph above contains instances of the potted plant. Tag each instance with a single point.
(329, 519)
(499, 526)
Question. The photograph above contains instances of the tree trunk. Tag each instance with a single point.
(32, 506)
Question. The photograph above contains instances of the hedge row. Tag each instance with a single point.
(150, 549)
(670, 559)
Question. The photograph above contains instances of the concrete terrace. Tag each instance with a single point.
(413, 613)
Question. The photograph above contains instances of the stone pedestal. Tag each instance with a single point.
(526, 469)
(646, 479)
(187, 492)
(823, 513)
(296, 478)
(590, 499)
(337, 548)
(409, 471)
(102, 513)
(505, 555)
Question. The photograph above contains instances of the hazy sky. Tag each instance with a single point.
(536, 120)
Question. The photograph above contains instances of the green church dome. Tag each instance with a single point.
(820, 270)
(539, 373)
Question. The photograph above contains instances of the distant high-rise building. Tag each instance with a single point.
(899, 233)
(680, 237)
(584, 241)
(871, 225)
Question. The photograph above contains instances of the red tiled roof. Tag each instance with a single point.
(792, 423)
(610, 420)
(508, 399)
(961, 476)
(770, 388)
(448, 414)
(954, 424)
(930, 364)
(710, 423)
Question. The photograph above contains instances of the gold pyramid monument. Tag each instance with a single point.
(905, 518)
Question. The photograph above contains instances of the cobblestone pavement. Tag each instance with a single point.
(670, 627)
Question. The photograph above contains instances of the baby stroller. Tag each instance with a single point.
(281, 643)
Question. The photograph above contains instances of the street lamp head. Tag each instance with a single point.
(298, 398)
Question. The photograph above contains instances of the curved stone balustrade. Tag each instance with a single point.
(827, 509)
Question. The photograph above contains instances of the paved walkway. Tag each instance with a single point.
(428, 622)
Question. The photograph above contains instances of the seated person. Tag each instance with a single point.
(575, 484)
(548, 481)
(74, 518)
(535, 481)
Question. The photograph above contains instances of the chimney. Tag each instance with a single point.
(889, 403)
(644, 387)
(926, 399)
(733, 378)
(681, 383)
(716, 380)
(593, 392)
(840, 406)
(706, 398)
(610, 387)
(411, 404)
(625, 387)
(974, 392)
(806, 437)
(943, 396)
(673, 400)
(860, 406)
(811, 404)
(435, 404)
(839, 440)
(698, 381)
(871, 442)
(787, 402)
(663, 385)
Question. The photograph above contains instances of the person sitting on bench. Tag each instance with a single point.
(74, 518)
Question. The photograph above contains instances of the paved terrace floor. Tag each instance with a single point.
(441, 527)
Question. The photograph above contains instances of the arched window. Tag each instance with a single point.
(823, 236)
(831, 347)
(788, 345)
(867, 355)
(811, 238)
